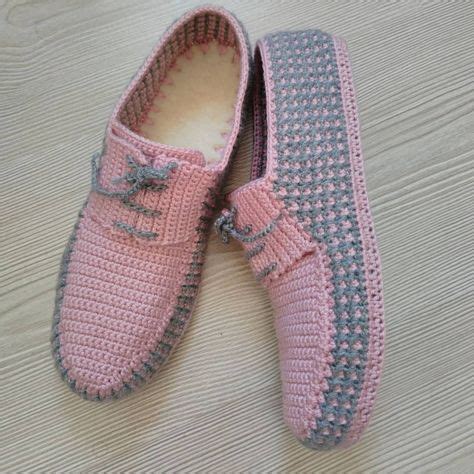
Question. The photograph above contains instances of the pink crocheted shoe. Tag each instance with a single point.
(305, 224)
(131, 270)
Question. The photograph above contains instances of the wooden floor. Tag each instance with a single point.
(216, 405)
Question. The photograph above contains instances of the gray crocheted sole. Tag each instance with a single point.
(318, 176)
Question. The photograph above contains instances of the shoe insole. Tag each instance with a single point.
(195, 105)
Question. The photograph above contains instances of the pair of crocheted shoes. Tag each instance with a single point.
(131, 270)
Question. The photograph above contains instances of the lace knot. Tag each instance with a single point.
(225, 226)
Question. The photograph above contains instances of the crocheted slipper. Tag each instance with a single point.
(305, 224)
(131, 270)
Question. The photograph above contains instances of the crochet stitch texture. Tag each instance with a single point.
(305, 224)
(131, 271)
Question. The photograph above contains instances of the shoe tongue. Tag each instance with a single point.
(153, 150)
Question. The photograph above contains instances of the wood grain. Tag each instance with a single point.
(216, 405)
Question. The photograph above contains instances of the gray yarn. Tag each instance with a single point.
(139, 177)
(266, 271)
(255, 251)
(138, 233)
(225, 228)
(141, 209)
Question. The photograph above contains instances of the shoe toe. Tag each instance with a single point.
(113, 310)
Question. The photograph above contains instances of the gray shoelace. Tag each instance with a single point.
(225, 228)
(139, 177)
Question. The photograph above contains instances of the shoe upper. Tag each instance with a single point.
(131, 270)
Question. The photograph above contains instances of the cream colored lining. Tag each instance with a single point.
(195, 105)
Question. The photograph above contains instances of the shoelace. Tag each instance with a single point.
(225, 228)
(139, 177)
